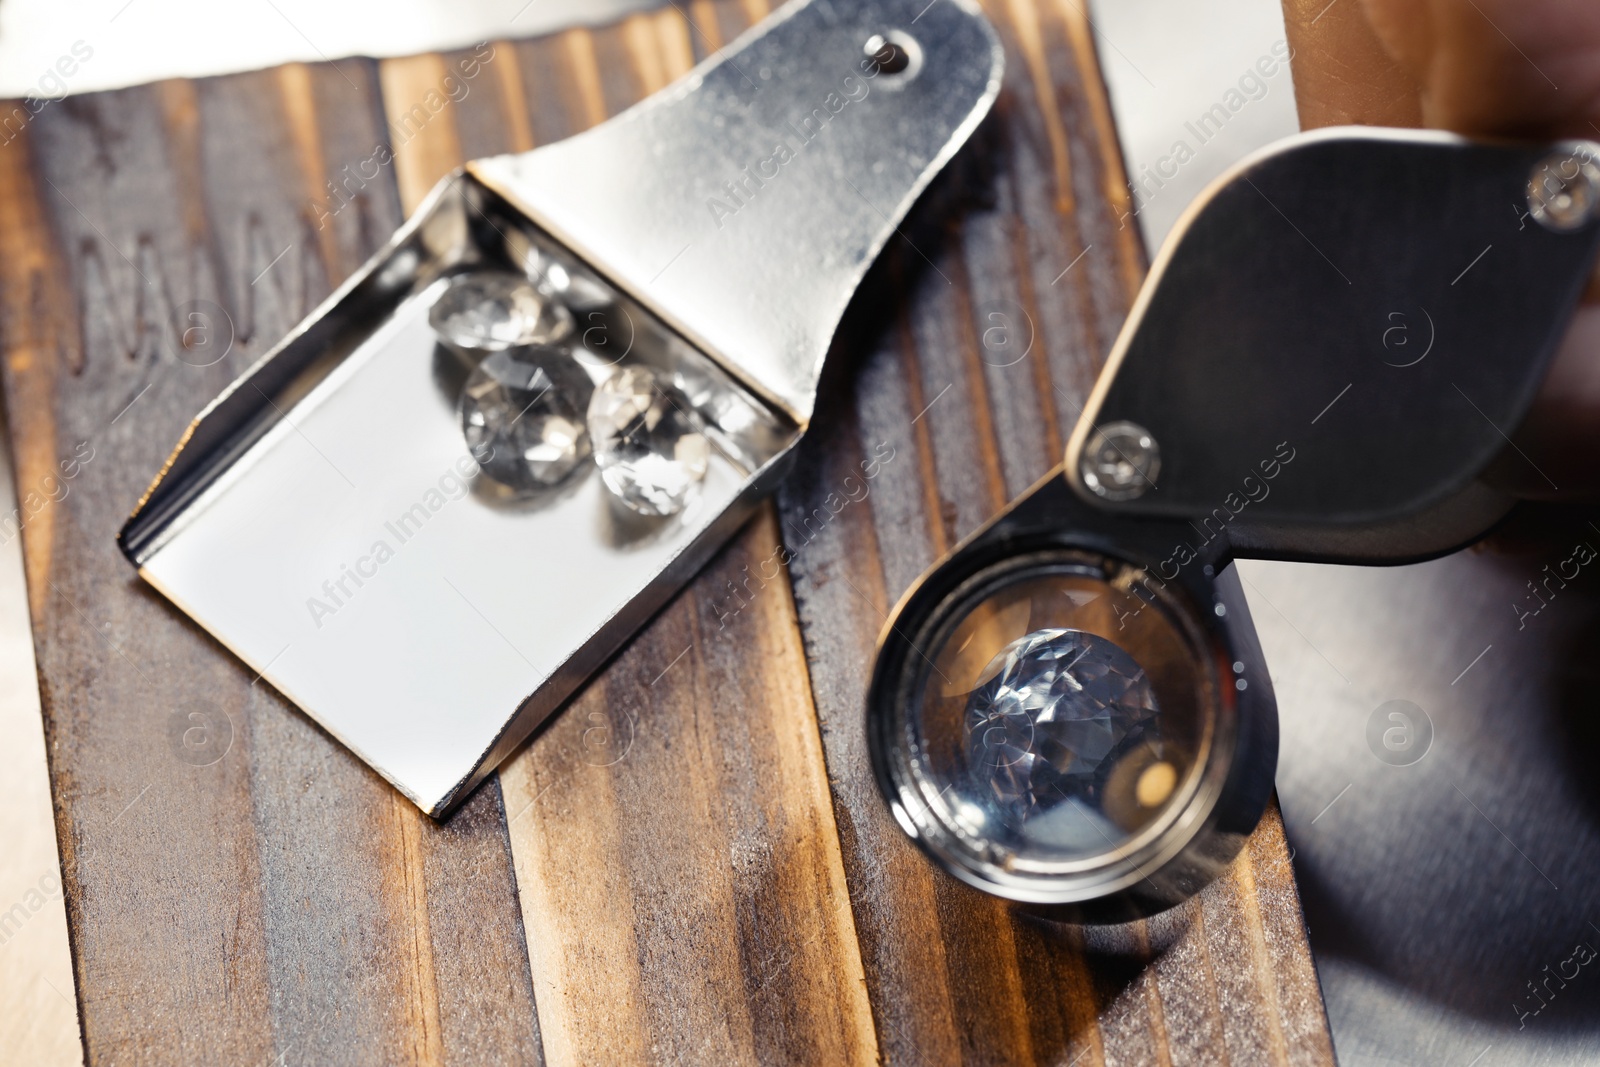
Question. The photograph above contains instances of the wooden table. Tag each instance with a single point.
(691, 864)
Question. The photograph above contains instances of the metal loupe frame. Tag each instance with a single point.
(1233, 781)
(1324, 364)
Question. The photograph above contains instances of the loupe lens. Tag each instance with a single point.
(1049, 730)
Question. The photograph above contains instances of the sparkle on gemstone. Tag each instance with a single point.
(649, 441)
(1060, 709)
(522, 412)
(491, 311)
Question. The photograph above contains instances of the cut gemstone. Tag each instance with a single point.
(731, 421)
(491, 311)
(522, 415)
(579, 290)
(649, 441)
(1060, 711)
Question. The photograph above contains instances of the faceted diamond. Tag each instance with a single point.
(490, 311)
(1060, 709)
(575, 287)
(649, 442)
(579, 292)
(522, 414)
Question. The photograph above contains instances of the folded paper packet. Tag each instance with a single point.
(329, 517)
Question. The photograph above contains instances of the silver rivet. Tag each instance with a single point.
(896, 55)
(1120, 461)
(1564, 189)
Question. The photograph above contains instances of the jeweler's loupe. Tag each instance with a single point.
(1055, 724)
(1072, 710)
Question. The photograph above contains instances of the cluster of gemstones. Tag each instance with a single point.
(536, 410)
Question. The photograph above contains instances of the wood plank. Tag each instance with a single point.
(704, 869)
(281, 900)
(1028, 241)
(987, 986)
(678, 866)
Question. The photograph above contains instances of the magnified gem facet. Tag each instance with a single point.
(1059, 711)
(490, 311)
(522, 414)
(649, 442)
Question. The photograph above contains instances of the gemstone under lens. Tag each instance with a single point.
(1061, 710)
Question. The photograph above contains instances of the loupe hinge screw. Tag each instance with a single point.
(1564, 188)
(1120, 461)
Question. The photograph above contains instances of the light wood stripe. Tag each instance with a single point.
(421, 126)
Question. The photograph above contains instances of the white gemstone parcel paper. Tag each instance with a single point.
(409, 563)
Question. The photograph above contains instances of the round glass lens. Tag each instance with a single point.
(1061, 713)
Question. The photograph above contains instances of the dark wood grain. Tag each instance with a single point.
(283, 900)
(691, 864)
(1020, 248)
